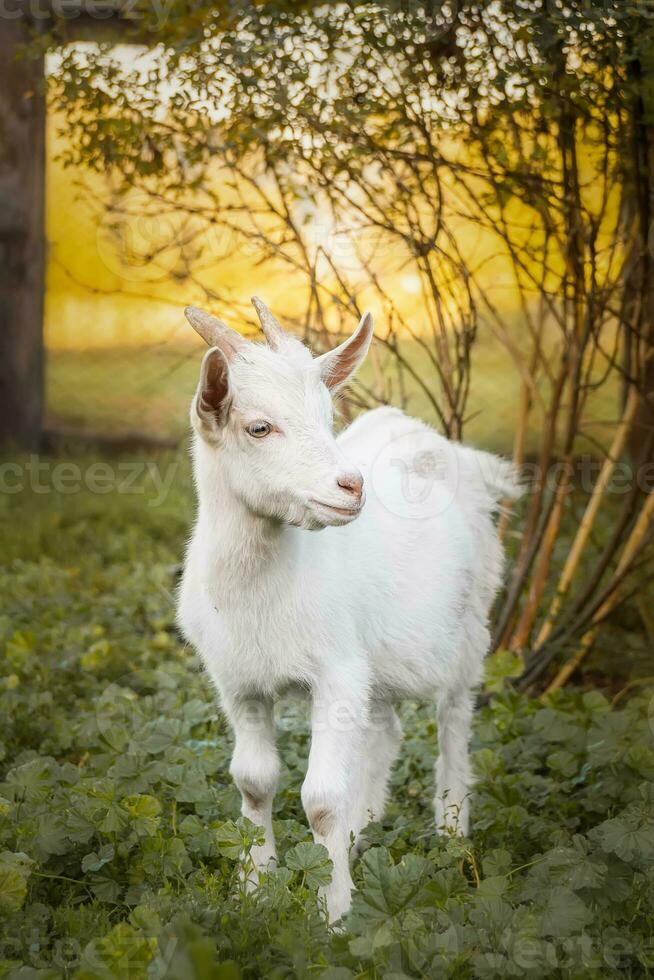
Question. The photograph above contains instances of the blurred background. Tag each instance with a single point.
(122, 264)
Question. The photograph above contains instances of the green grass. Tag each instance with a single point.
(120, 829)
(147, 391)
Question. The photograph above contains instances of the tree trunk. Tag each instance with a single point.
(638, 209)
(22, 245)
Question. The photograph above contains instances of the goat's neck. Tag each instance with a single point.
(239, 544)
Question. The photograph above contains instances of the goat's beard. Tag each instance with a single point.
(284, 507)
(288, 510)
(309, 522)
(303, 515)
(298, 514)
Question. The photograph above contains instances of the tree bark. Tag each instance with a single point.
(638, 210)
(22, 242)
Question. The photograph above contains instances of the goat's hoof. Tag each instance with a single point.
(449, 826)
(359, 847)
(452, 820)
(450, 830)
(337, 905)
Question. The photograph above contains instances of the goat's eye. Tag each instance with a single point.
(259, 429)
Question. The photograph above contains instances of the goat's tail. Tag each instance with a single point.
(499, 477)
(503, 481)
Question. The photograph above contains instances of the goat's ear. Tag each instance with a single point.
(338, 365)
(214, 395)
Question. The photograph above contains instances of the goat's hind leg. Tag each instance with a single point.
(381, 744)
(453, 770)
(255, 770)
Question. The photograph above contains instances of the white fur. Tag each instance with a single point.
(391, 604)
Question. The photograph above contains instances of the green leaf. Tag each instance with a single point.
(229, 840)
(388, 889)
(163, 733)
(313, 861)
(165, 857)
(499, 667)
(122, 953)
(630, 836)
(563, 913)
(497, 862)
(97, 859)
(144, 812)
(447, 886)
(13, 889)
(492, 887)
(555, 726)
(563, 762)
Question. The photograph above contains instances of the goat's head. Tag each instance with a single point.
(267, 411)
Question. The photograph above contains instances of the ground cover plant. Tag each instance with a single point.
(119, 826)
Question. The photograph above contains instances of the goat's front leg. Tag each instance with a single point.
(338, 719)
(255, 770)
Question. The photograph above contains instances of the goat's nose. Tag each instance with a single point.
(352, 483)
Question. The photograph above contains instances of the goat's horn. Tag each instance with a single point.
(214, 331)
(269, 324)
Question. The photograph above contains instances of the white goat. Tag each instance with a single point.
(389, 602)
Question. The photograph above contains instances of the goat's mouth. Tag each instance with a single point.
(336, 514)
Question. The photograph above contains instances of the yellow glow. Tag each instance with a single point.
(411, 284)
(113, 290)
